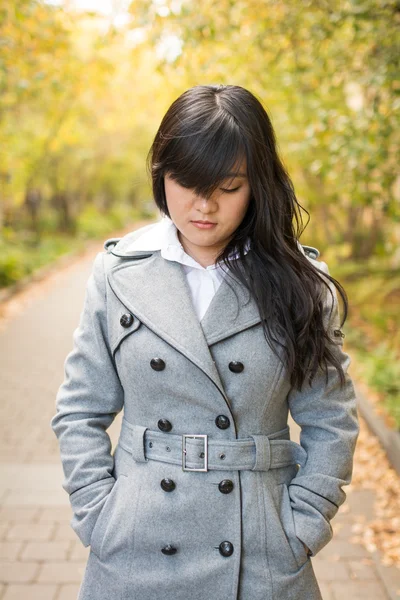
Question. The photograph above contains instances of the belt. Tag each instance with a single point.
(196, 452)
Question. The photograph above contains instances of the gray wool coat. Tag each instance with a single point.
(235, 530)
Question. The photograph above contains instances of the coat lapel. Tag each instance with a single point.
(231, 310)
(156, 291)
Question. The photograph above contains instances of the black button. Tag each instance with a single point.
(168, 550)
(157, 364)
(222, 422)
(226, 548)
(236, 367)
(225, 486)
(126, 320)
(167, 485)
(164, 425)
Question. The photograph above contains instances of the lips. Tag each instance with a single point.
(204, 222)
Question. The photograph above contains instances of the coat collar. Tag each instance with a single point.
(161, 235)
(158, 236)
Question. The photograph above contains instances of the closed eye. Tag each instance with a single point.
(231, 190)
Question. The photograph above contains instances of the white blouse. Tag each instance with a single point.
(203, 281)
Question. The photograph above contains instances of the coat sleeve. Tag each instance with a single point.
(328, 418)
(87, 402)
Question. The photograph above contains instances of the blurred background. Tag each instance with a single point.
(83, 87)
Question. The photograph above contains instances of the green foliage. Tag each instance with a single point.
(385, 374)
(20, 257)
(12, 267)
(92, 223)
(380, 369)
(373, 326)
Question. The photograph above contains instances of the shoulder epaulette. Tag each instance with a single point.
(311, 252)
(108, 244)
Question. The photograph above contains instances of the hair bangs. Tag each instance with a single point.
(204, 160)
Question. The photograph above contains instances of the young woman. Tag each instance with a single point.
(207, 328)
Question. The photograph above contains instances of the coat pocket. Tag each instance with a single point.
(286, 515)
(106, 519)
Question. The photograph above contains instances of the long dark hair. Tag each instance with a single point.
(203, 135)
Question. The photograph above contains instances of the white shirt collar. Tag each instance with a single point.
(163, 236)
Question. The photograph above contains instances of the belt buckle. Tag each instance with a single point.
(205, 440)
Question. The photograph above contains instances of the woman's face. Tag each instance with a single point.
(225, 210)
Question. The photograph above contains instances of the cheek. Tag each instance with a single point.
(238, 210)
(177, 203)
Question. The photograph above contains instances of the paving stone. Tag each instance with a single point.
(64, 531)
(17, 572)
(30, 531)
(344, 549)
(13, 453)
(79, 551)
(363, 569)
(43, 457)
(359, 590)
(25, 476)
(362, 502)
(345, 509)
(330, 570)
(35, 497)
(48, 551)
(342, 528)
(30, 592)
(10, 550)
(61, 572)
(54, 513)
(390, 577)
(68, 592)
(19, 513)
(325, 590)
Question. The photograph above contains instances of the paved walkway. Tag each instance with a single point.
(40, 555)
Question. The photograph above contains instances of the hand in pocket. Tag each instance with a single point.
(306, 548)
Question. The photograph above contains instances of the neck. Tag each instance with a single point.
(205, 256)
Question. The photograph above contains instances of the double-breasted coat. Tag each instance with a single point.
(227, 518)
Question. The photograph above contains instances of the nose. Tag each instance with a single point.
(205, 205)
